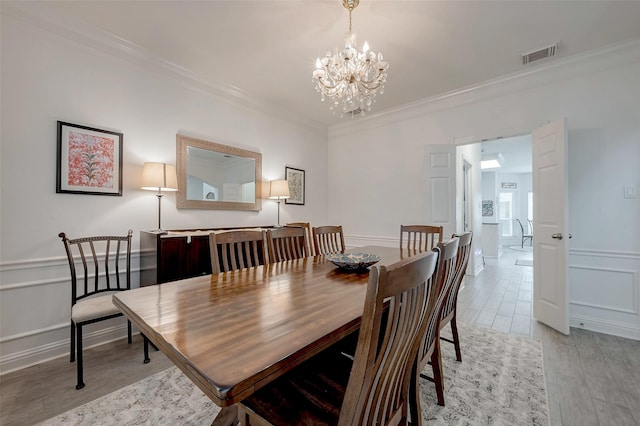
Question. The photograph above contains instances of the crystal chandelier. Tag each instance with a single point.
(348, 78)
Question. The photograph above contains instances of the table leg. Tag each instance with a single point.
(226, 416)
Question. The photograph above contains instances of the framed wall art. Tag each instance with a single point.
(487, 207)
(89, 160)
(295, 177)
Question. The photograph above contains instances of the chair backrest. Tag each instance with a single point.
(385, 356)
(530, 226)
(462, 260)
(307, 227)
(420, 237)
(287, 243)
(97, 264)
(445, 275)
(521, 228)
(231, 250)
(328, 239)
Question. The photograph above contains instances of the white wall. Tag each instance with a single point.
(47, 77)
(381, 159)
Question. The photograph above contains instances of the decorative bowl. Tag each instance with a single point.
(352, 261)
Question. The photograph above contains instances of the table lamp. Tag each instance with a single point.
(159, 177)
(279, 190)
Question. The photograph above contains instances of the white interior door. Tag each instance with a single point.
(441, 186)
(550, 224)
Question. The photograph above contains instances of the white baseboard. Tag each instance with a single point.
(606, 327)
(22, 359)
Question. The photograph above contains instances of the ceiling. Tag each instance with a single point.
(265, 50)
(515, 150)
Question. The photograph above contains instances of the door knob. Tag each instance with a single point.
(557, 236)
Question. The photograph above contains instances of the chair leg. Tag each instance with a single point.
(438, 379)
(415, 413)
(72, 351)
(80, 383)
(129, 331)
(146, 350)
(456, 339)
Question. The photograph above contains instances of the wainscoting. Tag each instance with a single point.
(605, 292)
(35, 301)
(604, 287)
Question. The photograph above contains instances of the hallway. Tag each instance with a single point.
(500, 296)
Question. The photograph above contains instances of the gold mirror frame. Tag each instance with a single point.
(182, 145)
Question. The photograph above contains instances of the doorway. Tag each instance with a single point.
(507, 186)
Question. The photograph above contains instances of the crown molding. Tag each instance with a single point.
(590, 62)
(65, 28)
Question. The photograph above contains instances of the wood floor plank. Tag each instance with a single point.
(613, 415)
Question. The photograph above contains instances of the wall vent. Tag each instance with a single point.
(536, 55)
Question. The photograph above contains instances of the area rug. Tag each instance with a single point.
(499, 382)
(524, 262)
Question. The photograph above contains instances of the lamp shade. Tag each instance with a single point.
(159, 177)
(279, 189)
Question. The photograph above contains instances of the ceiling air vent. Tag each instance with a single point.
(536, 55)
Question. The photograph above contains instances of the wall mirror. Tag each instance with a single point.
(217, 177)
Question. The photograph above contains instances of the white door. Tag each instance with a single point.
(441, 186)
(550, 226)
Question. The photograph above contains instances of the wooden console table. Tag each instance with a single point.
(176, 254)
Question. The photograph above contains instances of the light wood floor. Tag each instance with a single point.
(592, 379)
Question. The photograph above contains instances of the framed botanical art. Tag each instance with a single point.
(89, 160)
(295, 177)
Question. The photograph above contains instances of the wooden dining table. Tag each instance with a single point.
(234, 332)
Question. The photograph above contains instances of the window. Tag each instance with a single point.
(505, 212)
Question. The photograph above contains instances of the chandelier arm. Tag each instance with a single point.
(325, 86)
(377, 79)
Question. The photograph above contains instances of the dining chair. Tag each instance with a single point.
(287, 243)
(307, 227)
(525, 236)
(449, 308)
(237, 249)
(420, 237)
(328, 239)
(430, 348)
(373, 388)
(100, 266)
